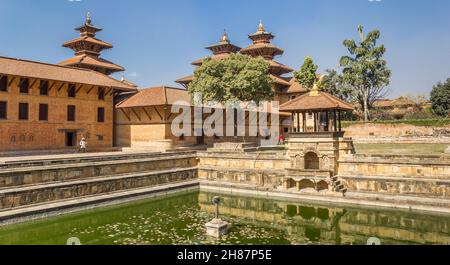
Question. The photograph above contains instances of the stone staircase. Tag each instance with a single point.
(33, 182)
(338, 185)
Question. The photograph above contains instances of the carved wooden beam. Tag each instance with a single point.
(11, 81)
(78, 89)
(126, 115)
(90, 89)
(34, 82)
(62, 85)
(53, 84)
(159, 114)
(146, 113)
(135, 113)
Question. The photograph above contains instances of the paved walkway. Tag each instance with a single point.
(4, 160)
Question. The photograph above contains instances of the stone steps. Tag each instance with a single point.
(11, 198)
(41, 210)
(35, 161)
(13, 177)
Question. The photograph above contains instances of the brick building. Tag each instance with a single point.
(51, 107)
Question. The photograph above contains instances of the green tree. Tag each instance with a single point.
(440, 99)
(236, 78)
(333, 83)
(307, 74)
(364, 70)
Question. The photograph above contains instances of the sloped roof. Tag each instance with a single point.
(89, 60)
(295, 87)
(89, 40)
(156, 96)
(185, 80)
(39, 70)
(315, 102)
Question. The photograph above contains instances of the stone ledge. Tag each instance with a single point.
(27, 213)
(399, 178)
(5, 191)
(91, 164)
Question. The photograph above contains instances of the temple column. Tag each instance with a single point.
(340, 125)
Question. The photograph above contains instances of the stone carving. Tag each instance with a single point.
(326, 162)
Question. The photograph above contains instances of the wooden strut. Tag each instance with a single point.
(126, 115)
(146, 113)
(59, 89)
(53, 84)
(11, 81)
(78, 89)
(34, 82)
(159, 114)
(135, 113)
(90, 90)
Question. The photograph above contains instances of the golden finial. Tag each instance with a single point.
(225, 36)
(260, 27)
(316, 90)
(88, 18)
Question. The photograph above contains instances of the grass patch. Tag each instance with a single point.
(400, 149)
(423, 122)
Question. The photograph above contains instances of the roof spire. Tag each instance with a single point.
(261, 26)
(315, 91)
(88, 18)
(225, 37)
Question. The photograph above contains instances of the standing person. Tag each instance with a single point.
(83, 145)
(280, 139)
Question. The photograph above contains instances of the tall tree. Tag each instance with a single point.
(236, 78)
(365, 70)
(307, 74)
(333, 83)
(440, 99)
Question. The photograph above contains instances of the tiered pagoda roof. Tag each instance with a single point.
(315, 100)
(261, 46)
(88, 49)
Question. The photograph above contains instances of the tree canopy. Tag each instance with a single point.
(440, 99)
(364, 71)
(236, 78)
(307, 75)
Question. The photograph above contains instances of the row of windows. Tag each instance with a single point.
(43, 112)
(24, 87)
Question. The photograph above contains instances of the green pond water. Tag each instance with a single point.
(180, 219)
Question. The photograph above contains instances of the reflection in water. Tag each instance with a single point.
(180, 219)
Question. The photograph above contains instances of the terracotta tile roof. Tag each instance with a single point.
(185, 80)
(282, 67)
(311, 102)
(89, 60)
(156, 96)
(89, 40)
(295, 86)
(128, 83)
(31, 69)
(279, 80)
(258, 46)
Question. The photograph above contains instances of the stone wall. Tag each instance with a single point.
(30, 182)
(264, 169)
(63, 191)
(372, 132)
(422, 176)
(47, 174)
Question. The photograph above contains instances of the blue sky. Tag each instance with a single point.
(155, 40)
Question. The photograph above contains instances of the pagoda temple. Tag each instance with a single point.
(88, 49)
(285, 87)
